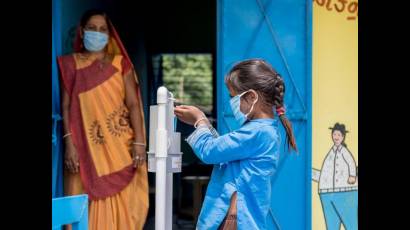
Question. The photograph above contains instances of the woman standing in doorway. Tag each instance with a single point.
(104, 127)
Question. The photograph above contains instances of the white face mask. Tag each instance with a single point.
(95, 41)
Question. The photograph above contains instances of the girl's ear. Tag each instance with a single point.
(252, 95)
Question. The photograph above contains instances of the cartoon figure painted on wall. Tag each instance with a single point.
(338, 183)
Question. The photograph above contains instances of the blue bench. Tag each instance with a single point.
(70, 210)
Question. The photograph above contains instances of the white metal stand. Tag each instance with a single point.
(164, 156)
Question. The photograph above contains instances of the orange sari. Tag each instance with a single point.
(102, 134)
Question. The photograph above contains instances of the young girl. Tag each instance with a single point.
(238, 195)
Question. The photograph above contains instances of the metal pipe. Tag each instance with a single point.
(161, 157)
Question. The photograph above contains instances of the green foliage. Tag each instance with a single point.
(189, 78)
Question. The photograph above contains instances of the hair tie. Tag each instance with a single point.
(280, 110)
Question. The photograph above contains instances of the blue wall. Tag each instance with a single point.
(278, 31)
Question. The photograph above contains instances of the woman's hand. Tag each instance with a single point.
(71, 158)
(188, 114)
(138, 155)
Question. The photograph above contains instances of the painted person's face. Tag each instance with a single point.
(337, 137)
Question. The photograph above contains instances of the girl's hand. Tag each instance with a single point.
(71, 161)
(138, 155)
(351, 180)
(188, 114)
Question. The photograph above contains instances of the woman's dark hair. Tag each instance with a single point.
(258, 75)
(93, 12)
(341, 128)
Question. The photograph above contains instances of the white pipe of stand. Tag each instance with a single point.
(161, 157)
(169, 200)
(169, 174)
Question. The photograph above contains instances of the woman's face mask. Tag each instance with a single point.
(235, 103)
(95, 41)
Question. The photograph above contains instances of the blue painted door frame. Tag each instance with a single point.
(280, 32)
(57, 161)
